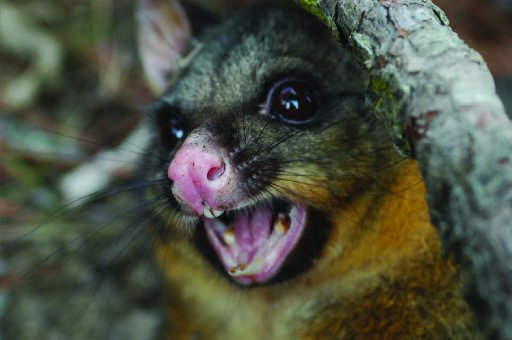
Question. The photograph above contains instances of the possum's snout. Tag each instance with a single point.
(203, 176)
(251, 241)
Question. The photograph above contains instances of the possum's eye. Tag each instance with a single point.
(291, 101)
(170, 128)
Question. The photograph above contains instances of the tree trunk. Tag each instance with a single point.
(437, 98)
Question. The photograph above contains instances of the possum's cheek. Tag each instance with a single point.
(251, 240)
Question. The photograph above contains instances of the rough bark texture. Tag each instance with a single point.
(438, 100)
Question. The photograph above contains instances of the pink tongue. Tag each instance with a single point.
(252, 230)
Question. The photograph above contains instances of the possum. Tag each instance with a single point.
(288, 212)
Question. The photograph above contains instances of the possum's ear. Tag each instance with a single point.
(163, 34)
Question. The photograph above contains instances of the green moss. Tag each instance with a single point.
(381, 88)
(388, 105)
(313, 7)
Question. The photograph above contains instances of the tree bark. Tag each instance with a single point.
(437, 98)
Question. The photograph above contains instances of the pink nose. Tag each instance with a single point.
(200, 174)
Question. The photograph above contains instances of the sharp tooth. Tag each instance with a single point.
(229, 236)
(211, 213)
(282, 224)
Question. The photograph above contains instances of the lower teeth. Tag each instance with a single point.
(254, 267)
(240, 267)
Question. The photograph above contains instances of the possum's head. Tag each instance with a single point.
(263, 135)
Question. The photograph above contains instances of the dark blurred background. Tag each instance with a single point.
(71, 86)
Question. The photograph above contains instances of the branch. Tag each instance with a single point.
(437, 98)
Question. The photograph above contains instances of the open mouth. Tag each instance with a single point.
(253, 244)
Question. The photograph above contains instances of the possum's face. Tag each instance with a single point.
(263, 135)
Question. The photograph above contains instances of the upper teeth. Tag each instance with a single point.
(211, 213)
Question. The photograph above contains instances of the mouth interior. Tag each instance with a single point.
(253, 244)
